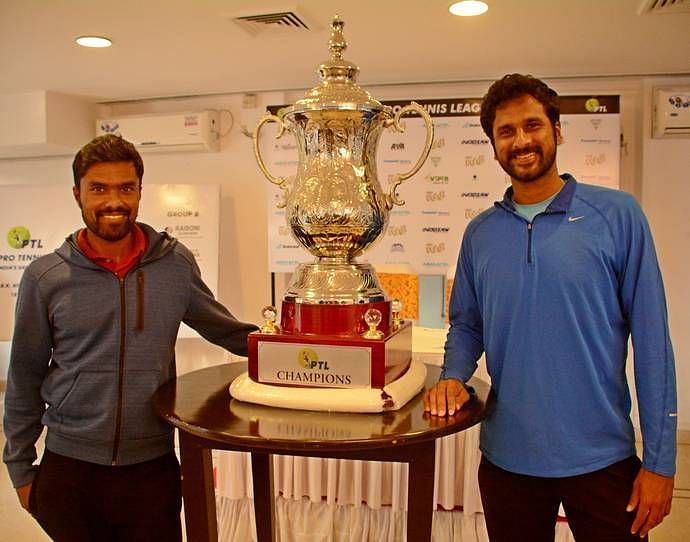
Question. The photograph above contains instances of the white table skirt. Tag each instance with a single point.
(340, 481)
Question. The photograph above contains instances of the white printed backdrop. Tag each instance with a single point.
(458, 181)
(45, 214)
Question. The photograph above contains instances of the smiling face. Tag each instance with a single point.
(525, 140)
(108, 196)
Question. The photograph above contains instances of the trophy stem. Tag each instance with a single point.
(334, 281)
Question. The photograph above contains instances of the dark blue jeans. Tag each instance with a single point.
(519, 507)
(76, 501)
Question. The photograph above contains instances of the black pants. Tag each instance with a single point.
(76, 501)
(518, 507)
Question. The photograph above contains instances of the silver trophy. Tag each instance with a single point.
(335, 205)
(337, 327)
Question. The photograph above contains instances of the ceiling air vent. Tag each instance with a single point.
(275, 21)
(663, 6)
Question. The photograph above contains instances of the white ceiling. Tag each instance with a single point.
(190, 47)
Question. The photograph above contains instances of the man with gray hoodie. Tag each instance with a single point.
(95, 329)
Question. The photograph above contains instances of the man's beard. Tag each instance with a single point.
(538, 170)
(110, 232)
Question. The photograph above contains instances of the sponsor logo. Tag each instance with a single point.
(593, 106)
(474, 195)
(283, 231)
(110, 127)
(309, 359)
(397, 247)
(436, 196)
(440, 125)
(439, 143)
(437, 179)
(471, 125)
(397, 231)
(435, 248)
(575, 218)
(397, 146)
(474, 160)
(435, 160)
(191, 120)
(436, 229)
(471, 213)
(187, 228)
(474, 142)
(19, 237)
(595, 159)
(595, 123)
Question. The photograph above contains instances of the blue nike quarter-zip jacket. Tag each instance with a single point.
(552, 304)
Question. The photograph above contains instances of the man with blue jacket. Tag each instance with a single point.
(95, 329)
(550, 284)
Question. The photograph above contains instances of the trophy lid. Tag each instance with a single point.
(337, 89)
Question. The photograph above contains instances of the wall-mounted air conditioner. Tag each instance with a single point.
(188, 131)
(671, 115)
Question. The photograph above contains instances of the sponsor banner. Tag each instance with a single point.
(314, 365)
(459, 179)
(190, 213)
(48, 214)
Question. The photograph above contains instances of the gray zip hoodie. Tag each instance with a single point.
(89, 350)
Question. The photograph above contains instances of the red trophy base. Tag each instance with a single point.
(323, 346)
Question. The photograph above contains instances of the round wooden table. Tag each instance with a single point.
(200, 406)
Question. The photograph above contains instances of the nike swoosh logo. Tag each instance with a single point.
(575, 218)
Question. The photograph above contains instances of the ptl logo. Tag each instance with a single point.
(20, 237)
(593, 106)
(309, 359)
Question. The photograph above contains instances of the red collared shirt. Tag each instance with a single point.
(121, 268)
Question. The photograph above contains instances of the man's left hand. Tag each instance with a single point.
(651, 496)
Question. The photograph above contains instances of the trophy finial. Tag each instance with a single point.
(337, 43)
(373, 318)
(270, 314)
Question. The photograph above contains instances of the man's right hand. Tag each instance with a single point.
(23, 493)
(447, 395)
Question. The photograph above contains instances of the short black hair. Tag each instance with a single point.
(106, 148)
(513, 86)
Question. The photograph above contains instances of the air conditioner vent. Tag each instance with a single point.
(273, 22)
(650, 7)
(283, 18)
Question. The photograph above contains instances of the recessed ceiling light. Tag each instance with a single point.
(93, 41)
(468, 8)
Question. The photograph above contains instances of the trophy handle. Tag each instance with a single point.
(280, 182)
(398, 178)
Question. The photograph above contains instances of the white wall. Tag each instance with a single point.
(665, 165)
(650, 169)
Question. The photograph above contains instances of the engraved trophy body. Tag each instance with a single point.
(336, 329)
